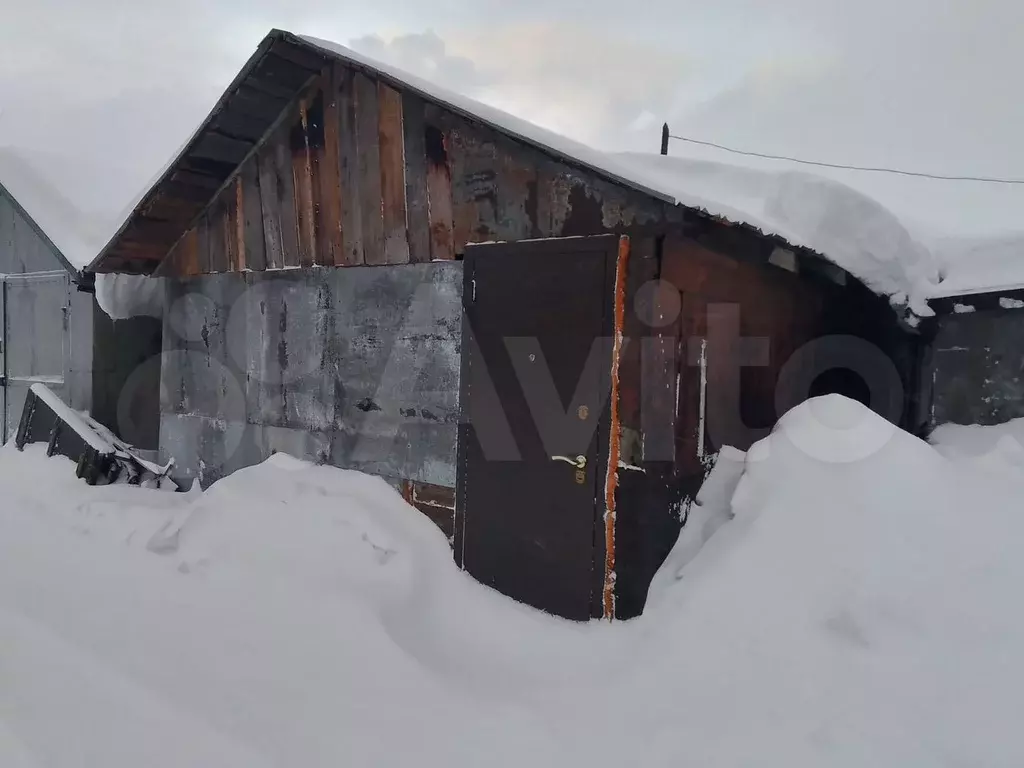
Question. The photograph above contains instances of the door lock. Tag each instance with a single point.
(580, 462)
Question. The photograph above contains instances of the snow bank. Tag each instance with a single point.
(842, 224)
(122, 297)
(999, 448)
(859, 609)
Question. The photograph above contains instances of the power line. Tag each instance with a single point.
(985, 179)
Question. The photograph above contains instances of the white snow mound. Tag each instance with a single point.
(859, 608)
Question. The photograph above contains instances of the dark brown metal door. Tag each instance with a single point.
(537, 352)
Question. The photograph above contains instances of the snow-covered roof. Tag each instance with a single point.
(980, 265)
(808, 211)
(838, 222)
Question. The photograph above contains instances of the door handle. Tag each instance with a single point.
(580, 462)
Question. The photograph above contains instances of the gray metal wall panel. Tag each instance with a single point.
(358, 367)
(79, 357)
(977, 360)
(36, 341)
(21, 248)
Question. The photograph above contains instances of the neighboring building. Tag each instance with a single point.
(325, 298)
(45, 323)
(51, 330)
(974, 355)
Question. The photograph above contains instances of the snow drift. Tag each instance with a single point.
(857, 609)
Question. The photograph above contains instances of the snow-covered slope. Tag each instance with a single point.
(859, 609)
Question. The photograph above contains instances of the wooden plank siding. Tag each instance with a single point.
(302, 177)
(331, 240)
(392, 175)
(351, 198)
(369, 176)
(360, 171)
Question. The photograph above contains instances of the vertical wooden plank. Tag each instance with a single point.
(392, 175)
(285, 184)
(302, 175)
(416, 179)
(270, 208)
(218, 242)
(314, 129)
(189, 246)
(439, 191)
(238, 219)
(330, 236)
(369, 169)
(231, 227)
(351, 192)
(178, 257)
(253, 240)
(203, 244)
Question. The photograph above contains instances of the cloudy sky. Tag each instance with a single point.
(97, 95)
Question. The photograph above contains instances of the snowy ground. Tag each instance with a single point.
(860, 609)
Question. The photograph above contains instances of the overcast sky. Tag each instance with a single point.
(98, 94)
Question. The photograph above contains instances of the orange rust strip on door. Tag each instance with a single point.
(612, 472)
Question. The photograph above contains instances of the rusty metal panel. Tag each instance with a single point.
(392, 175)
